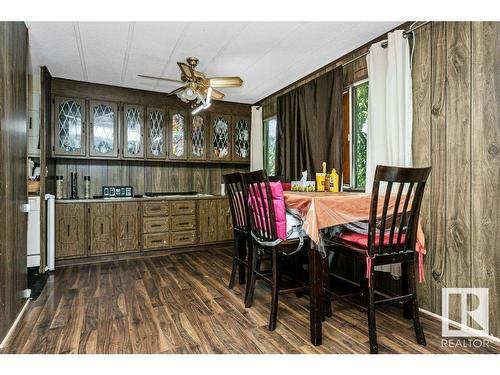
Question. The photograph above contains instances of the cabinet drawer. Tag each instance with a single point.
(155, 224)
(155, 208)
(156, 240)
(183, 208)
(180, 223)
(183, 238)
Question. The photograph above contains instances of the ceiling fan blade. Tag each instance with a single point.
(225, 81)
(160, 78)
(186, 70)
(216, 94)
(176, 90)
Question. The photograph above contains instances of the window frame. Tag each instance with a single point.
(265, 138)
(350, 138)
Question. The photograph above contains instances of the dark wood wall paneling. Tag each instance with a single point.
(456, 128)
(143, 175)
(47, 178)
(13, 160)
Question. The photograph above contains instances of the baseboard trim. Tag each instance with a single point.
(14, 325)
(461, 326)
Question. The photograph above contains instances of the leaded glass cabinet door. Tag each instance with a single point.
(177, 134)
(155, 145)
(69, 126)
(241, 138)
(198, 138)
(133, 131)
(220, 137)
(103, 129)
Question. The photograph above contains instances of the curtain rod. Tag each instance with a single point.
(384, 44)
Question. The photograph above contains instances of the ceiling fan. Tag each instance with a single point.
(196, 86)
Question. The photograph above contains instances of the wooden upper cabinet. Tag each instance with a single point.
(103, 140)
(127, 226)
(69, 127)
(133, 131)
(197, 138)
(71, 240)
(220, 137)
(177, 135)
(224, 221)
(241, 139)
(102, 238)
(207, 220)
(156, 134)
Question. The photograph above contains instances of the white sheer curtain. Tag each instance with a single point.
(256, 140)
(389, 124)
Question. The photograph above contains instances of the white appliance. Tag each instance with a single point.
(51, 232)
(34, 232)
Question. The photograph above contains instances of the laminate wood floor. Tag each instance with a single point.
(180, 304)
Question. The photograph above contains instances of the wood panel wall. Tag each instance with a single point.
(13, 160)
(456, 129)
(145, 175)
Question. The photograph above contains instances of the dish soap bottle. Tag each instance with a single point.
(333, 181)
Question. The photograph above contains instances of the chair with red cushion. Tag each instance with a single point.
(391, 238)
(271, 234)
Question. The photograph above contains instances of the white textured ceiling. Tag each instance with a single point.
(266, 55)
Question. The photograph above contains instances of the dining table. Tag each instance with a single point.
(319, 211)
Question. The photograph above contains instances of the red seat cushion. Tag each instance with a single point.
(361, 239)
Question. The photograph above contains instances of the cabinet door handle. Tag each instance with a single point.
(68, 230)
(185, 223)
(127, 226)
(155, 241)
(102, 228)
(156, 225)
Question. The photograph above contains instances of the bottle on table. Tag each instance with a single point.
(333, 181)
(321, 179)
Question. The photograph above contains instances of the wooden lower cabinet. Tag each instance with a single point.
(224, 221)
(127, 226)
(207, 221)
(71, 231)
(103, 228)
(102, 233)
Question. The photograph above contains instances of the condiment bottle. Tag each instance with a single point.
(334, 181)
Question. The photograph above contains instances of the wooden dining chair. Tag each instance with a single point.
(391, 238)
(257, 192)
(241, 230)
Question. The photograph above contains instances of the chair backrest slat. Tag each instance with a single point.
(239, 212)
(384, 217)
(395, 216)
(413, 181)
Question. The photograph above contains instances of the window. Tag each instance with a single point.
(270, 133)
(355, 107)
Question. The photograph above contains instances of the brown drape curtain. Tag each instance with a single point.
(310, 127)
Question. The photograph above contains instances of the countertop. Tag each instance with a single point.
(143, 199)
